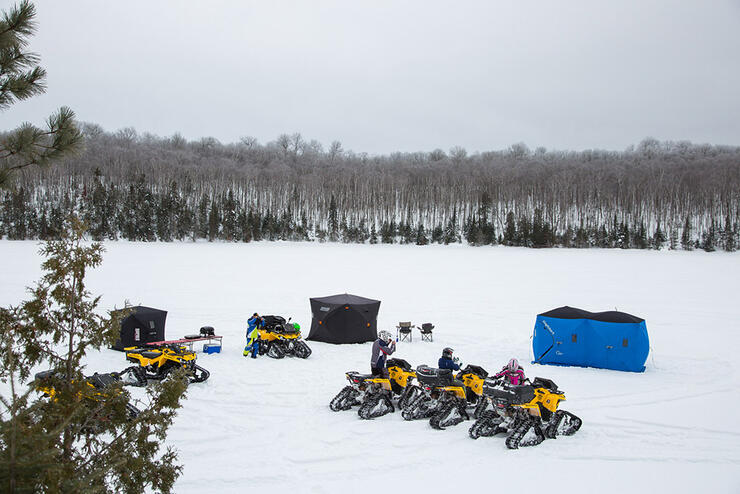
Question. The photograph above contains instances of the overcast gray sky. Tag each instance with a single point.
(383, 76)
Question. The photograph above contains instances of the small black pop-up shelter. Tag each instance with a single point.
(142, 326)
(344, 319)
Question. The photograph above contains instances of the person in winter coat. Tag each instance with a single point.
(512, 372)
(382, 347)
(447, 362)
(253, 334)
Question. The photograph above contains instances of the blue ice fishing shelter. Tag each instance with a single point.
(608, 340)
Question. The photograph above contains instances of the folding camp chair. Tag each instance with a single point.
(404, 331)
(426, 331)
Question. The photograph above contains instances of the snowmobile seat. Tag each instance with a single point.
(509, 394)
(398, 362)
(44, 375)
(541, 382)
(357, 377)
(146, 354)
(101, 381)
(475, 369)
(433, 376)
(273, 322)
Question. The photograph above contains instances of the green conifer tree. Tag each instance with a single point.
(21, 78)
(421, 237)
(510, 233)
(686, 243)
(333, 221)
(658, 238)
(709, 238)
(46, 444)
(728, 237)
(214, 221)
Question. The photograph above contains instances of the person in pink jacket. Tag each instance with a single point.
(512, 372)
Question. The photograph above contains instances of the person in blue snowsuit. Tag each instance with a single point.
(447, 362)
(382, 347)
(253, 345)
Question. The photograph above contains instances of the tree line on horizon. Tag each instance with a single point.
(675, 195)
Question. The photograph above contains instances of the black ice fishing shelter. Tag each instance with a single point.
(344, 319)
(141, 326)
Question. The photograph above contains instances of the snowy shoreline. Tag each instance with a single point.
(266, 424)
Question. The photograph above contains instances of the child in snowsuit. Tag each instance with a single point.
(382, 347)
(253, 334)
(512, 372)
(447, 362)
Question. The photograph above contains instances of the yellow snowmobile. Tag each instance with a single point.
(279, 338)
(445, 396)
(528, 413)
(402, 377)
(158, 361)
(374, 393)
(97, 389)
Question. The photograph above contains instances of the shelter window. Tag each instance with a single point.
(624, 342)
(151, 324)
(574, 338)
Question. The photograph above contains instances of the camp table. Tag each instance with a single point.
(189, 341)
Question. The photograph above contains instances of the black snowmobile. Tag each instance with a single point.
(98, 388)
(528, 413)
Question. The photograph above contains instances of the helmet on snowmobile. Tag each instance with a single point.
(296, 326)
(513, 365)
(385, 336)
(447, 353)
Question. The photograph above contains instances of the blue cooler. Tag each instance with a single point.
(211, 348)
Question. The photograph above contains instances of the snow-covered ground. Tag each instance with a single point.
(264, 425)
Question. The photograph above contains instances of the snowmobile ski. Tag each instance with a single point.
(133, 376)
(301, 350)
(420, 408)
(199, 374)
(375, 405)
(487, 425)
(562, 423)
(450, 413)
(345, 399)
(526, 433)
(275, 350)
(408, 395)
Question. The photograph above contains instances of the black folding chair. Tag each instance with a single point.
(404, 331)
(426, 331)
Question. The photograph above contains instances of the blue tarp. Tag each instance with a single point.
(608, 340)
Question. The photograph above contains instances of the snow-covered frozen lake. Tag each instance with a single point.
(264, 425)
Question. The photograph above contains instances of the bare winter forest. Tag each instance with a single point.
(674, 195)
